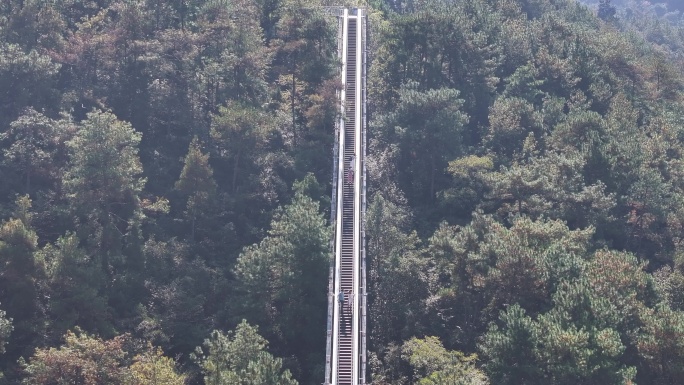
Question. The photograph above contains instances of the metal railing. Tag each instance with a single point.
(346, 334)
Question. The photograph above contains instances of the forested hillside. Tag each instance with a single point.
(165, 173)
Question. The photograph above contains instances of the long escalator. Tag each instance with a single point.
(346, 362)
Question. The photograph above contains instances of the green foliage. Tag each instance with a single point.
(606, 11)
(434, 365)
(509, 349)
(511, 120)
(196, 182)
(284, 276)
(105, 169)
(90, 360)
(588, 335)
(439, 45)
(182, 289)
(478, 270)
(578, 340)
(563, 346)
(103, 182)
(34, 141)
(197, 174)
(621, 279)
(660, 344)
(467, 186)
(310, 187)
(524, 157)
(152, 368)
(466, 166)
(427, 127)
(235, 59)
(239, 131)
(553, 186)
(5, 329)
(304, 47)
(21, 278)
(76, 282)
(669, 284)
(30, 77)
(524, 83)
(82, 359)
(397, 286)
(240, 358)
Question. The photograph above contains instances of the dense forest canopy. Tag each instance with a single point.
(166, 175)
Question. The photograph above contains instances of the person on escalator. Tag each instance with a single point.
(341, 298)
(350, 173)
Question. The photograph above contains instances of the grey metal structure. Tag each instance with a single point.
(346, 342)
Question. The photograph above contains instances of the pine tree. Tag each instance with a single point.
(33, 143)
(396, 286)
(427, 126)
(282, 280)
(103, 180)
(76, 285)
(197, 183)
(21, 277)
(509, 347)
(240, 358)
(103, 183)
(661, 345)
